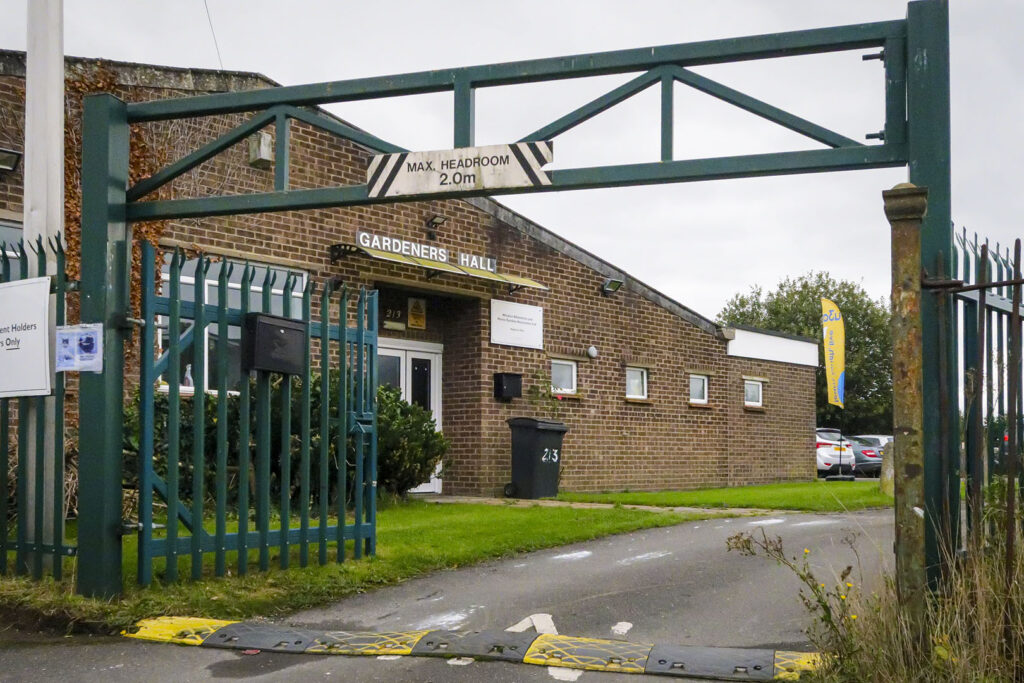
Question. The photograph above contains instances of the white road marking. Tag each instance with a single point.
(447, 620)
(388, 658)
(818, 522)
(766, 522)
(621, 628)
(578, 555)
(541, 623)
(645, 556)
(460, 661)
(562, 674)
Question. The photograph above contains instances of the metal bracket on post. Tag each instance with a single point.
(905, 206)
(105, 236)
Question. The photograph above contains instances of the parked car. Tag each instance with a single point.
(876, 440)
(833, 448)
(867, 456)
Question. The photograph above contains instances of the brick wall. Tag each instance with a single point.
(662, 443)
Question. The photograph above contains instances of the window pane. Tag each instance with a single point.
(698, 388)
(752, 393)
(419, 392)
(234, 358)
(389, 371)
(636, 381)
(563, 376)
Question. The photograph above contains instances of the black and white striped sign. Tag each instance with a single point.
(454, 170)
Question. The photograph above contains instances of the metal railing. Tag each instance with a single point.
(235, 435)
(34, 514)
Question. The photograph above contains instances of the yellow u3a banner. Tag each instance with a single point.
(834, 333)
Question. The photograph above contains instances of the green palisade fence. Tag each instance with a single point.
(252, 481)
(34, 546)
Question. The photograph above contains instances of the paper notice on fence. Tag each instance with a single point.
(80, 348)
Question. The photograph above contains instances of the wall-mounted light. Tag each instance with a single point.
(433, 223)
(9, 160)
(591, 352)
(261, 150)
(610, 286)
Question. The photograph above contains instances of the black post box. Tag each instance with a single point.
(273, 344)
(507, 386)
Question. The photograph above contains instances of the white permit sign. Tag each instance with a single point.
(454, 170)
(25, 338)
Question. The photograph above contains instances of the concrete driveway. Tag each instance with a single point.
(675, 585)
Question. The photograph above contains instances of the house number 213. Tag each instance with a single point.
(550, 455)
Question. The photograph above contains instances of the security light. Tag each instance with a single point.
(610, 286)
(433, 223)
(9, 160)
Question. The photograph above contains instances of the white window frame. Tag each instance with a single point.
(643, 374)
(706, 381)
(211, 291)
(760, 393)
(565, 391)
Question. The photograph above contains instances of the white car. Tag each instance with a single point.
(832, 449)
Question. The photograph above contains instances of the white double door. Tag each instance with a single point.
(415, 369)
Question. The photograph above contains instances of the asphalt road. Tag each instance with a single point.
(676, 585)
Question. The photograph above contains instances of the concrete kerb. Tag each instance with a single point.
(541, 649)
(520, 502)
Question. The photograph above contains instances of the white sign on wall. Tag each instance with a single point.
(515, 324)
(25, 338)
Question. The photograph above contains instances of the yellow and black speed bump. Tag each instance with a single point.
(592, 654)
(178, 630)
(269, 638)
(789, 665)
(500, 645)
(365, 642)
(720, 663)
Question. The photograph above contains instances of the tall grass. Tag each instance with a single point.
(973, 628)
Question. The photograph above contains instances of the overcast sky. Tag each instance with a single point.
(699, 242)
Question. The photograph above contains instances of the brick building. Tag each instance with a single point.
(655, 395)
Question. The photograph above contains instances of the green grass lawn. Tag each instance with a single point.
(814, 496)
(413, 538)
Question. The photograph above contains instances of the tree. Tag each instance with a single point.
(794, 307)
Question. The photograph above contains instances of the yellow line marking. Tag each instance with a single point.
(591, 654)
(180, 630)
(366, 643)
(789, 665)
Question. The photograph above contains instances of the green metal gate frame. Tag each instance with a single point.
(351, 408)
(915, 53)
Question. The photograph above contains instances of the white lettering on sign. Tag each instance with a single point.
(431, 252)
(25, 338)
(454, 170)
(515, 324)
(395, 245)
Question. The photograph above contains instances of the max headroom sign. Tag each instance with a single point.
(458, 170)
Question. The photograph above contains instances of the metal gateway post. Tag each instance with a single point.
(928, 140)
(106, 241)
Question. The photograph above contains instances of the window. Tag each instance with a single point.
(698, 389)
(563, 376)
(185, 373)
(752, 393)
(636, 382)
(10, 236)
